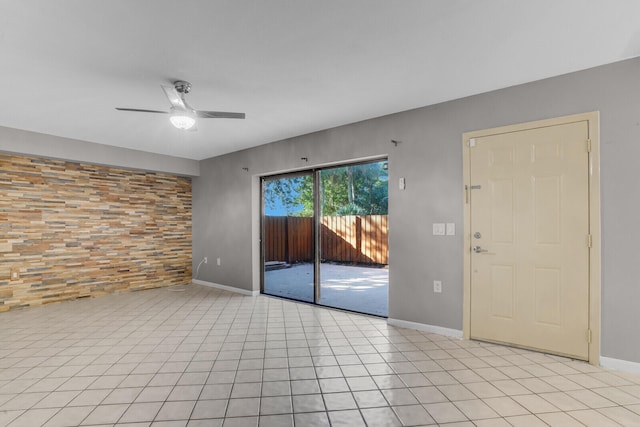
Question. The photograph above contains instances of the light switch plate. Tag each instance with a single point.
(401, 184)
(438, 229)
(451, 229)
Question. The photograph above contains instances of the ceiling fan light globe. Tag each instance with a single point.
(182, 119)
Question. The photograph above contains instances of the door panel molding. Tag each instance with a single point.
(592, 119)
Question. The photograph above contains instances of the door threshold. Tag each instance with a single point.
(313, 304)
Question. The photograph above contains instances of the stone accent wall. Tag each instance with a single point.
(70, 230)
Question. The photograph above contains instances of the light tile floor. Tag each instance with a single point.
(205, 357)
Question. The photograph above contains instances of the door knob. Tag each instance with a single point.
(478, 249)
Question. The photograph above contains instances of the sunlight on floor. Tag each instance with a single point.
(357, 288)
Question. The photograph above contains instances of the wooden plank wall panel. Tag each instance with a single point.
(300, 233)
(275, 238)
(361, 239)
(72, 230)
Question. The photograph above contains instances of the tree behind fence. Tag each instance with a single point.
(361, 239)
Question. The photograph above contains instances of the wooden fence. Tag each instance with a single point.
(361, 239)
(288, 238)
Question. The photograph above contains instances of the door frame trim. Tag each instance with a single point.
(593, 123)
(258, 198)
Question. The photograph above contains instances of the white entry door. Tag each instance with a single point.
(530, 238)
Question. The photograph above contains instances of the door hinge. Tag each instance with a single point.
(589, 241)
(589, 336)
(588, 145)
(472, 142)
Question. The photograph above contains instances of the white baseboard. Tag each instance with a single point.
(619, 364)
(455, 333)
(226, 288)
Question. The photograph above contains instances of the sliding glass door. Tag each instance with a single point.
(353, 238)
(288, 230)
(324, 237)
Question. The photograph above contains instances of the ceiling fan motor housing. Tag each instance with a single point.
(182, 86)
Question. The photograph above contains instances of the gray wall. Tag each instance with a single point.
(41, 145)
(430, 157)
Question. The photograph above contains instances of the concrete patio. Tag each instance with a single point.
(357, 288)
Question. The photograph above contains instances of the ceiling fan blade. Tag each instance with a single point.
(140, 110)
(174, 97)
(219, 115)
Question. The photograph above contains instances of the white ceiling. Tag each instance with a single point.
(293, 66)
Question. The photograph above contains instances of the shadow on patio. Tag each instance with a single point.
(358, 288)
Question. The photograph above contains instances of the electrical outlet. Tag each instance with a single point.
(205, 260)
(15, 274)
(218, 261)
(437, 286)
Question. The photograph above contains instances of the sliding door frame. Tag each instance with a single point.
(314, 255)
(316, 234)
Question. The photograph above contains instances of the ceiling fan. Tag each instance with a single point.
(181, 114)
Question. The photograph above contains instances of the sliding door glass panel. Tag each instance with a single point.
(288, 245)
(354, 252)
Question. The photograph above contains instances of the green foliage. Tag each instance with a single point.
(350, 209)
(355, 190)
(348, 190)
(286, 193)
